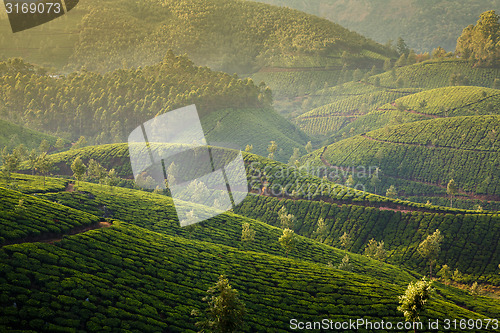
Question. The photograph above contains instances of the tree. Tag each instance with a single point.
(295, 156)
(375, 250)
(345, 241)
(451, 190)
(481, 42)
(32, 158)
(59, 144)
(391, 192)
(415, 298)
(309, 147)
(321, 229)
(401, 47)
(401, 61)
(412, 58)
(375, 181)
(287, 240)
(475, 290)
(247, 234)
(430, 247)
(112, 179)
(10, 163)
(78, 168)
(287, 220)
(44, 165)
(350, 181)
(249, 148)
(272, 150)
(438, 52)
(44, 146)
(357, 75)
(80, 143)
(224, 312)
(96, 171)
(445, 273)
(345, 265)
(387, 65)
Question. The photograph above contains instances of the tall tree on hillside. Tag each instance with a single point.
(287, 220)
(451, 190)
(295, 156)
(78, 168)
(32, 157)
(413, 302)
(430, 247)
(272, 150)
(309, 147)
(345, 241)
(44, 165)
(481, 42)
(391, 192)
(287, 241)
(10, 163)
(44, 146)
(321, 229)
(402, 48)
(224, 312)
(375, 250)
(247, 234)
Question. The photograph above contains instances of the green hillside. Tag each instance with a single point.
(126, 278)
(106, 108)
(462, 148)
(103, 35)
(358, 107)
(11, 135)
(425, 27)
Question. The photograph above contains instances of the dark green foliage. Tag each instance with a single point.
(430, 151)
(38, 218)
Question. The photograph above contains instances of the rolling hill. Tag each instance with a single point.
(357, 107)
(12, 135)
(420, 25)
(432, 151)
(104, 35)
(148, 274)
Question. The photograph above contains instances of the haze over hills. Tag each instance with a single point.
(423, 25)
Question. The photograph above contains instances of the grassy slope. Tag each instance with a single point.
(130, 278)
(88, 35)
(423, 28)
(463, 148)
(12, 135)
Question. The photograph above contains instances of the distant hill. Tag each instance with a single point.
(229, 35)
(423, 27)
(12, 135)
(106, 108)
(434, 151)
(424, 91)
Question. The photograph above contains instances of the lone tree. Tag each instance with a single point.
(309, 147)
(451, 189)
(321, 229)
(287, 241)
(44, 165)
(345, 241)
(413, 301)
(247, 234)
(287, 220)
(10, 163)
(375, 250)
(429, 248)
(272, 150)
(78, 169)
(445, 273)
(391, 192)
(224, 312)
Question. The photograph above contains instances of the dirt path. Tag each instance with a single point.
(50, 237)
